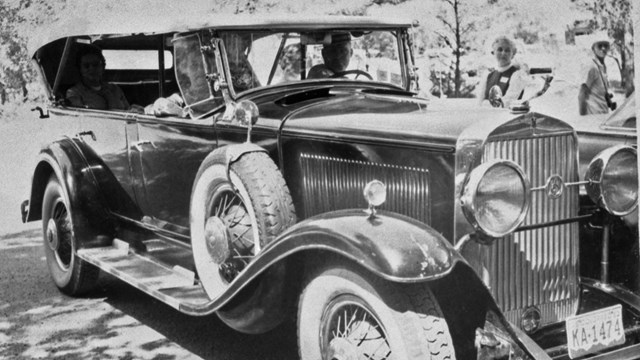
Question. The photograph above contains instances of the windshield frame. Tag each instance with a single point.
(401, 51)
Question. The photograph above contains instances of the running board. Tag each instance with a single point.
(174, 286)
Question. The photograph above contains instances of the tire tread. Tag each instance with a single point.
(84, 276)
(269, 193)
(418, 316)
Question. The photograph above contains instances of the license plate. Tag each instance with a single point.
(594, 331)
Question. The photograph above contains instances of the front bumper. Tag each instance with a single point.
(553, 338)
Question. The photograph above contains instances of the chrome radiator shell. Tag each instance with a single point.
(537, 267)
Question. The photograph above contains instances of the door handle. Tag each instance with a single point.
(41, 111)
(139, 144)
(86, 133)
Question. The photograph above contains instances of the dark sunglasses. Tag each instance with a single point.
(603, 46)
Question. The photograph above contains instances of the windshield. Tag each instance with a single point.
(267, 58)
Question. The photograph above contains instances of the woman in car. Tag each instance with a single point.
(92, 91)
(506, 76)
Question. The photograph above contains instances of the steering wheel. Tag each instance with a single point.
(357, 72)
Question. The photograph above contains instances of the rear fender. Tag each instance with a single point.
(91, 221)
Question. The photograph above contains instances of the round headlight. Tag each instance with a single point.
(495, 199)
(613, 180)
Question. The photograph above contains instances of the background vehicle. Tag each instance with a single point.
(465, 244)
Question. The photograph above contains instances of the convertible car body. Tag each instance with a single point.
(248, 201)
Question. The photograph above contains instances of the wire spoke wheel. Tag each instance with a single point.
(352, 331)
(228, 205)
(348, 313)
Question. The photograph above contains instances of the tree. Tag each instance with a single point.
(17, 20)
(458, 23)
(11, 51)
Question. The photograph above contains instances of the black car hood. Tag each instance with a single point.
(378, 115)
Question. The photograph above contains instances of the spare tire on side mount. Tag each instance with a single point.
(250, 204)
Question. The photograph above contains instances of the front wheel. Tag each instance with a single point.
(345, 314)
(72, 275)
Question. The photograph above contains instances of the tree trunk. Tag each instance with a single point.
(3, 94)
(457, 81)
(25, 91)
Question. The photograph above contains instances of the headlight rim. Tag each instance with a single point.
(595, 175)
(470, 189)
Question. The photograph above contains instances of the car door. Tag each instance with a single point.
(165, 158)
(105, 138)
(168, 149)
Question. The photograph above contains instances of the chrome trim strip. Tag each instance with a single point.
(353, 139)
(575, 183)
(554, 223)
(168, 235)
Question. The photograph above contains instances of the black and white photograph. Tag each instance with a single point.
(326, 180)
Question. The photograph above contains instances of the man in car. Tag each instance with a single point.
(336, 57)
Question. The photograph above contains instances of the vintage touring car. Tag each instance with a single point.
(253, 190)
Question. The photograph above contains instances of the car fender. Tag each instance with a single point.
(91, 221)
(390, 245)
(399, 249)
(231, 153)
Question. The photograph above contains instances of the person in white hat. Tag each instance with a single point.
(594, 96)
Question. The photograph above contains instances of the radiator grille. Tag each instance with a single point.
(333, 184)
(538, 267)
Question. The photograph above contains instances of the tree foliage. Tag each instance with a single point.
(17, 19)
(614, 16)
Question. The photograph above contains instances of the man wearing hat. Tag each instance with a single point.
(336, 56)
(594, 96)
